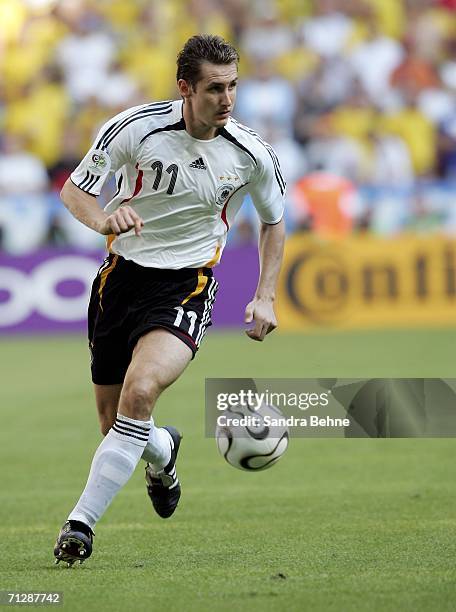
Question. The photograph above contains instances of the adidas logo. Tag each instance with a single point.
(199, 164)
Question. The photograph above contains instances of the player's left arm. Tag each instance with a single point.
(260, 310)
(267, 190)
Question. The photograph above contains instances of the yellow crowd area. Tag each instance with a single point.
(37, 105)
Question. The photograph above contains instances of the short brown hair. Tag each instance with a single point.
(203, 48)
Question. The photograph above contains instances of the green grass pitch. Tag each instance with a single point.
(336, 525)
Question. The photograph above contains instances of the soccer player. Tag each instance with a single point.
(182, 170)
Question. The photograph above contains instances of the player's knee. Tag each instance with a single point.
(138, 397)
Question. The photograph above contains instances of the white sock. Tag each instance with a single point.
(158, 448)
(113, 464)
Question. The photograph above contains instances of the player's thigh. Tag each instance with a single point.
(159, 358)
(108, 322)
(107, 400)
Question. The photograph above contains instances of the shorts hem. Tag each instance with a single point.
(100, 380)
(185, 338)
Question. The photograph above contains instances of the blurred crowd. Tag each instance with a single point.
(358, 97)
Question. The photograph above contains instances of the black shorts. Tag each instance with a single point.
(129, 300)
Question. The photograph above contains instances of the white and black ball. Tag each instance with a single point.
(257, 442)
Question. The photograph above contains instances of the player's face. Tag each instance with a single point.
(212, 99)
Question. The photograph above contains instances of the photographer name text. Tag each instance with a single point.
(225, 420)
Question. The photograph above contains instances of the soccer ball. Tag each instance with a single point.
(250, 439)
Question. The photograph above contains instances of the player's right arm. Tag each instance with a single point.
(84, 207)
(113, 148)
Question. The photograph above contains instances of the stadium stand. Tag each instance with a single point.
(361, 90)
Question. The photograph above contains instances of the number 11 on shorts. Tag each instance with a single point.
(190, 314)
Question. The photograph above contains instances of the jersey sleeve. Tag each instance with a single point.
(268, 186)
(112, 149)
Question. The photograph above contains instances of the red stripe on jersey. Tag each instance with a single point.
(224, 215)
(138, 186)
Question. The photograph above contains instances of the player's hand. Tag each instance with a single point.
(261, 313)
(122, 220)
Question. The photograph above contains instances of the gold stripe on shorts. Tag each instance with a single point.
(202, 282)
(104, 277)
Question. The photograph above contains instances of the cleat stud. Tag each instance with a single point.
(64, 546)
(81, 561)
(81, 553)
(57, 561)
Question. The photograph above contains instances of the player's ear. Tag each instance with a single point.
(185, 88)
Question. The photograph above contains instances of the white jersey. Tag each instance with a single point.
(186, 190)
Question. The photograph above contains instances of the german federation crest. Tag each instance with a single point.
(223, 193)
(99, 162)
